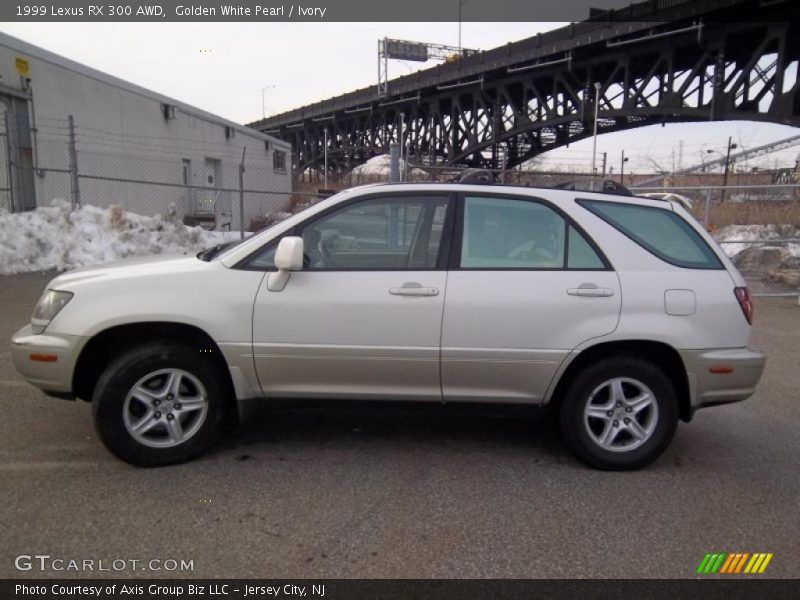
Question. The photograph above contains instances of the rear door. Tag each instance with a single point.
(526, 286)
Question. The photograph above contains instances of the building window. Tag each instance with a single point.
(279, 160)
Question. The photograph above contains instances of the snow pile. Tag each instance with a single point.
(377, 165)
(56, 237)
(757, 232)
(381, 165)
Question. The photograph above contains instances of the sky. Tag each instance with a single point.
(243, 71)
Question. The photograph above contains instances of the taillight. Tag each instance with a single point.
(746, 302)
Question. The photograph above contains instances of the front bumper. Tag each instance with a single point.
(53, 376)
(722, 376)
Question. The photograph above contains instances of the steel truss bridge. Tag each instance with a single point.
(659, 61)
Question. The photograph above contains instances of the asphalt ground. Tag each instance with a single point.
(406, 492)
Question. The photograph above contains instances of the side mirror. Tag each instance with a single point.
(288, 258)
(289, 255)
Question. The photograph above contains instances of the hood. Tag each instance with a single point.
(131, 267)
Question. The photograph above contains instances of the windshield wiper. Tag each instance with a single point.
(210, 253)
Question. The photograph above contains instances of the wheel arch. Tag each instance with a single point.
(660, 354)
(106, 345)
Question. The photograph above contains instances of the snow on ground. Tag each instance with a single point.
(757, 232)
(55, 237)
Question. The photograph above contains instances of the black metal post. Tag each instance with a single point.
(727, 168)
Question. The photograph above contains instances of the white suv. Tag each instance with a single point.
(620, 313)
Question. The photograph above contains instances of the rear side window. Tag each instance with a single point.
(580, 254)
(659, 231)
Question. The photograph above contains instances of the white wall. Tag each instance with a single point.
(122, 133)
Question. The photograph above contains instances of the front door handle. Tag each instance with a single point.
(590, 290)
(412, 288)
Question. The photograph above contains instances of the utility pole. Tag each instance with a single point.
(460, 4)
(597, 87)
(622, 161)
(325, 152)
(605, 158)
(727, 157)
(73, 166)
(731, 145)
(402, 145)
(241, 195)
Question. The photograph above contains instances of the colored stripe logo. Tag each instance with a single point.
(734, 563)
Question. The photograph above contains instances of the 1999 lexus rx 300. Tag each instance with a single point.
(621, 313)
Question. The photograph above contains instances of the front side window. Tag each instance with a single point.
(659, 231)
(503, 233)
(377, 234)
(263, 260)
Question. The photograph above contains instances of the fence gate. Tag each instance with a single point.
(17, 190)
(6, 199)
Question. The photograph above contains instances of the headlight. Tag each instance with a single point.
(47, 308)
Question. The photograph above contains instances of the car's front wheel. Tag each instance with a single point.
(159, 404)
(619, 414)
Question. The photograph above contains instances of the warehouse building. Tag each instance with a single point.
(70, 131)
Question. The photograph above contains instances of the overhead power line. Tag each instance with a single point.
(762, 150)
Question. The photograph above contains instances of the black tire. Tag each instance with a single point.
(115, 383)
(576, 430)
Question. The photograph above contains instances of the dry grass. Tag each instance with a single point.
(750, 213)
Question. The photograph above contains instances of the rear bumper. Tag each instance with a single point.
(722, 376)
(53, 376)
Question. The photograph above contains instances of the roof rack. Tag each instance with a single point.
(479, 176)
(610, 186)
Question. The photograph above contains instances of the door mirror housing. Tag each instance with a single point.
(289, 255)
(288, 258)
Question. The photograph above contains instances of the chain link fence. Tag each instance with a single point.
(202, 183)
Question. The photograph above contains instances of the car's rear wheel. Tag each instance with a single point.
(619, 413)
(159, 404)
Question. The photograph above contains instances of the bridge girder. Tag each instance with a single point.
(727, 71)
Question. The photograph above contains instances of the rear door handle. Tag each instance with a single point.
(590, 290)
(412, 288)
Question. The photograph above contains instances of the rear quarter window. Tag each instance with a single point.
(661, 232)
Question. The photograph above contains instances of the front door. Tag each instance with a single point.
(528, 287)
(363, 318)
